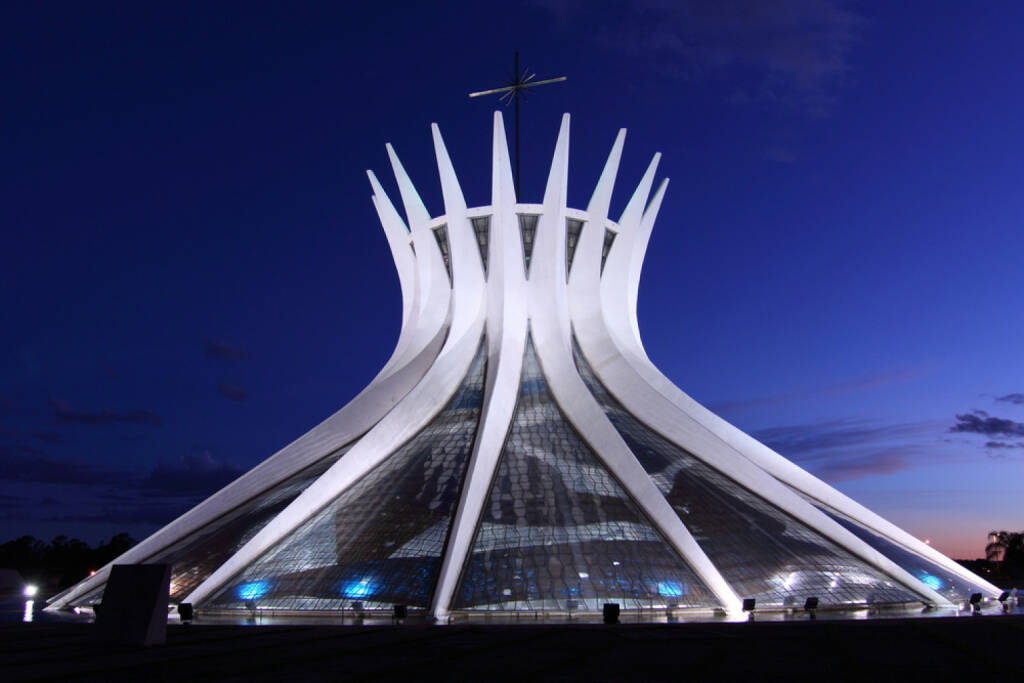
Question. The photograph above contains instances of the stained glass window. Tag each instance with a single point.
(763, 552)
(380, 542)
(558, 532)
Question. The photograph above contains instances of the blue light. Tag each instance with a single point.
(671, 589)
(253, 590)
(358, 588)
(933, 582)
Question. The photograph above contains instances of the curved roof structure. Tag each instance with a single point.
(520, 452)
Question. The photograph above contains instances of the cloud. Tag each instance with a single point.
(48, 437)
(979, 422)
(1002, 444)
(790, 52)
(25, 463)
(812, 439)
(139, 512)
(232, 391)
(1015, 399)
(828, 391)
(192, 474)
(842, 450)
(221, 350)
(65, 414)
(880, 463)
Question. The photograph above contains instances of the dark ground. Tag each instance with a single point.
(883, 649)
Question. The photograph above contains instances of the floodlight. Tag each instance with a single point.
(31, 590)
(810, 604)
(749, 604)
(1004, 596)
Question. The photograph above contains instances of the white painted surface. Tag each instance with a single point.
(442, 324)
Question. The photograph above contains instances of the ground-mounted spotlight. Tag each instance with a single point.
(1003, 600)
(186, 612)
(811, 606)
(399, 612)
(976, 602)
(611, 612)
(749, 605)
(30, 591)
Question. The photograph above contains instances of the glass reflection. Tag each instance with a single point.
(558, 532)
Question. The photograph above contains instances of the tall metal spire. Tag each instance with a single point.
(513, 91)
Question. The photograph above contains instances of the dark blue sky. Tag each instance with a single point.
(193, 273)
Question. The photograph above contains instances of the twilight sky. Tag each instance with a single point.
(192, 273)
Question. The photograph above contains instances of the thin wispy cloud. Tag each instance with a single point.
(871, 465)
(1016, 399)
(222, 350)
(805, 442)
(789, 52)
(828, 391)
(842, 450)
(232, 391)
(25, 463)
(64, 413)
(48, 437)
(196, 473)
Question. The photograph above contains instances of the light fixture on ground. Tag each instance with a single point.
(519, 452)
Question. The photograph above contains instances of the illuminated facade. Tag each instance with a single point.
(520, 453)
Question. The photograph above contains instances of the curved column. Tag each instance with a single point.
(618, 290)
(506, 340)
(598, 341)
(549, 314)
(407, 367)
(623, 268)
(422, 403)
(399, 241)
(433, 291)
(800, 480)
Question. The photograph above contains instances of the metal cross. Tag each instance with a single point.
(513, 92)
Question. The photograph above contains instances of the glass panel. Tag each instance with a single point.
(527, 230)
(441, 235)
(942, 581)
(761, 551)
(196, 556)
(573, 228)
(558, 532)
(482, 227)
(609, 237)
(380, 542)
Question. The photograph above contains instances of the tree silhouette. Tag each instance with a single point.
(1006, 548)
